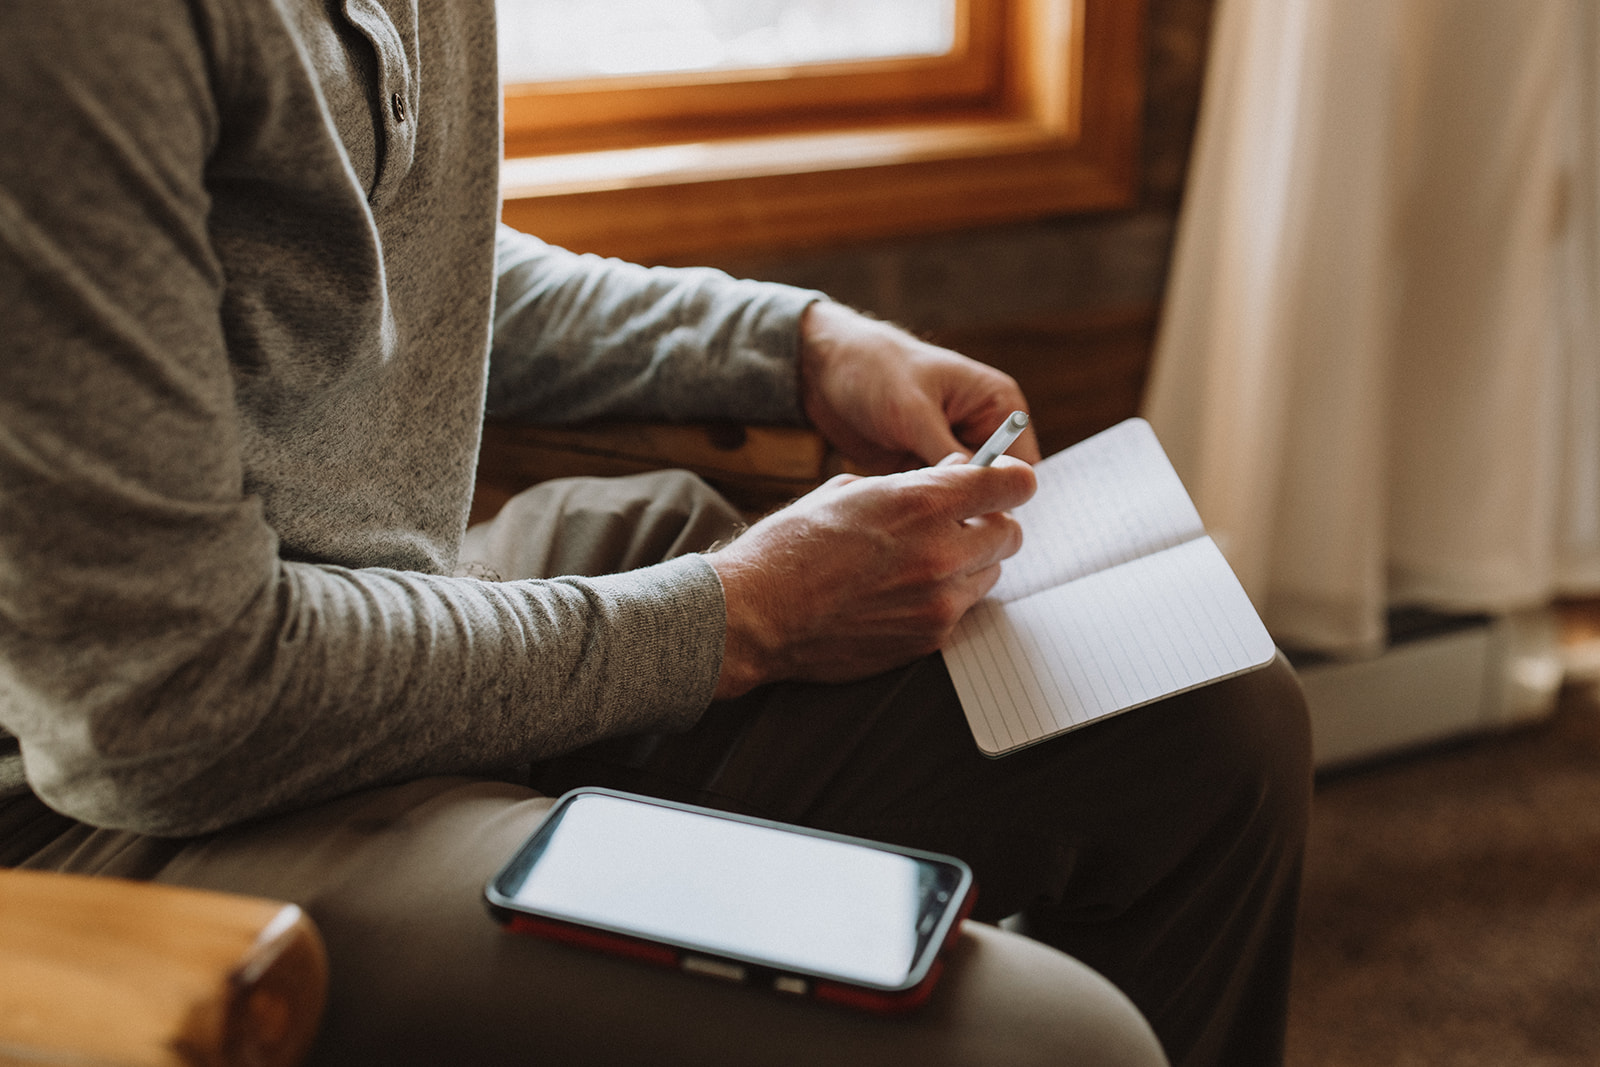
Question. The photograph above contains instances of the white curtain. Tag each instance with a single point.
(1378, 369)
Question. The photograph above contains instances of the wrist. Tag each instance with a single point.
(750, 640)
(820, 326)
(851, 371)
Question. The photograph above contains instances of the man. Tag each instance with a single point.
(250, 269)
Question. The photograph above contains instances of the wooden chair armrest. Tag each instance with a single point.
(105, 971)
(756, 467)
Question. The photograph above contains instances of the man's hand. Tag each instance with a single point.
(891, 402)
(865, 574)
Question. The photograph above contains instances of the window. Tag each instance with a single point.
(773, 123)
(555, 40)
(580, 75)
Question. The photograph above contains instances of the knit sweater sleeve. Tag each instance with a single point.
(167, 664)
(580, 337)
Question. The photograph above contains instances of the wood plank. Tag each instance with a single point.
(755, 467)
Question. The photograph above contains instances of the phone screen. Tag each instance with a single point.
(753, 891)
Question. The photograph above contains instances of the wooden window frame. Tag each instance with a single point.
(1036, 112)
(630, 111)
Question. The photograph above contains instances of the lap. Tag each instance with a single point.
(1085, 824)
(1162, 847)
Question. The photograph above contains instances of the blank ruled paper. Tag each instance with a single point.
(1106, 500)
(1117, 599)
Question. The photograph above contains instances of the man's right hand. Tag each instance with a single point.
(865, 574)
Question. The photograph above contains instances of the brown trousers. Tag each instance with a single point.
(1161, 849)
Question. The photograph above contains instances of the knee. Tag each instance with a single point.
(1022, 1002)
(690, 496)
(684, 514)
(586, 525)
(1261, 738)
(1275, 706)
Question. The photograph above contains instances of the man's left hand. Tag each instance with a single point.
(891, 402)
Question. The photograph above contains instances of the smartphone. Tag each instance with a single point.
(799, 911)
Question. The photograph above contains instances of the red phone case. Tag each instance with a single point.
(670, 956)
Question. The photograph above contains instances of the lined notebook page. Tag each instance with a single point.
(1106, 500)
(1148, 608)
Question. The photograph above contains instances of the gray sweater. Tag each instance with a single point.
(248, 287)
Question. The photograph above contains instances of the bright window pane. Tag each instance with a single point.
(551, 39)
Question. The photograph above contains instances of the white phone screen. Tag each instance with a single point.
(752, 892)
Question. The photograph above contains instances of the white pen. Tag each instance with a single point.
(1001, 439)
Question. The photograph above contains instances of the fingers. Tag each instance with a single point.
(981, 581)
(1007, 484)
(936, 438)
(1027, 446)
(840, 480)
(991, 539)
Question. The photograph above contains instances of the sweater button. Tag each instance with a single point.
(397, 105)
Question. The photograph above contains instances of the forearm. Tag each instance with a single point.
(326, 680)
(581, 337)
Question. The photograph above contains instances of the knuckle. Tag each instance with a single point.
(936, 564)
(942, 610)
(943, 561)
(1013, 537)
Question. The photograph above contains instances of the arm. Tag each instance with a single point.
(579, 337)
(861, 575)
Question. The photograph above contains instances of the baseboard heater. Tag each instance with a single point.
(1441, 677)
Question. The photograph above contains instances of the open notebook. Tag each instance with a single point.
(1117, 598)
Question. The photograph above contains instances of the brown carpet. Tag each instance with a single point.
(1451, 912)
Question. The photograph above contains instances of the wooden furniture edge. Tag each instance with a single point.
(108, 971)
